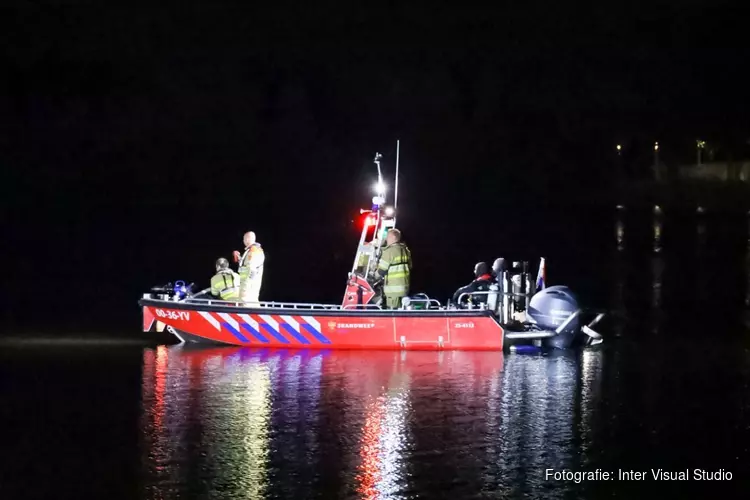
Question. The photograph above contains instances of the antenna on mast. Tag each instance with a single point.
(395, 186)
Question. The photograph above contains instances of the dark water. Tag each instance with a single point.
(238, 423)
(669, 390)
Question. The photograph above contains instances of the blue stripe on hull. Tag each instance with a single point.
(234, 332)
(291, 331)
(315, 333)
(274, 333)
(255, 333)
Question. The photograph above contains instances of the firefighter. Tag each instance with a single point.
(225, 284)
(250, 268)
(395, 268)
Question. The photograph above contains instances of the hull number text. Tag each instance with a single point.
(183, 315)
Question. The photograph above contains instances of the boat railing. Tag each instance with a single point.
(504, 305)
(267, 305)
(299, 305)
(493, 292)
(428, 301)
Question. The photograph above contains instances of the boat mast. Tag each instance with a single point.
(379, 199)
(373, 219)
(380, 217)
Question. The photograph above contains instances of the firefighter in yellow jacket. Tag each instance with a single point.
(225, 284)
(395, 266)
(250, 269)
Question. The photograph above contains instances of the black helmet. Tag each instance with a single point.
(499, 266)
(222, 263)
(481, 268)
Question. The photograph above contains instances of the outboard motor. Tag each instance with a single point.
(552, 307)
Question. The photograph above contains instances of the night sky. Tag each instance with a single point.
(138, 142)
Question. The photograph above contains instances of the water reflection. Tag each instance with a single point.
(203, 412)
(618, 300)
(238, 423)
(658, 226)
(657, 271)
(747, 266)
(547, 414)
(592, 367)
(384, 439)
(620, 231)
(700, 231)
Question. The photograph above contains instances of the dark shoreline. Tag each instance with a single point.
(683, 195)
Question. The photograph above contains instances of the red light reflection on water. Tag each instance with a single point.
(386, 381)
(162, 357)
(370, 470)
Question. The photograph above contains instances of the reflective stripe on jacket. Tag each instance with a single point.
(226, 285)
(251, 262)
(395, 263)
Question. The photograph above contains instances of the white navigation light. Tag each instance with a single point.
(378, 200)
(380, 188)
(389, 211)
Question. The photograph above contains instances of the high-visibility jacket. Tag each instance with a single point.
(251, 272)
(395, 264)
(226, 285)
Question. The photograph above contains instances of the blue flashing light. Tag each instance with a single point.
(180, 289)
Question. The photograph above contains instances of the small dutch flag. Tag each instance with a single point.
(541, 276)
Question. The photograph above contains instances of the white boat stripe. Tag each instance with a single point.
(232, 322)
(250, 321)
(292, 322)
(312, 322)
(270, 321)
(210, 319)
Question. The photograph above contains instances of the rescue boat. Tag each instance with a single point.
(517, 313)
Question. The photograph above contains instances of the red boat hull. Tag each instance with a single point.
(325, 329)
